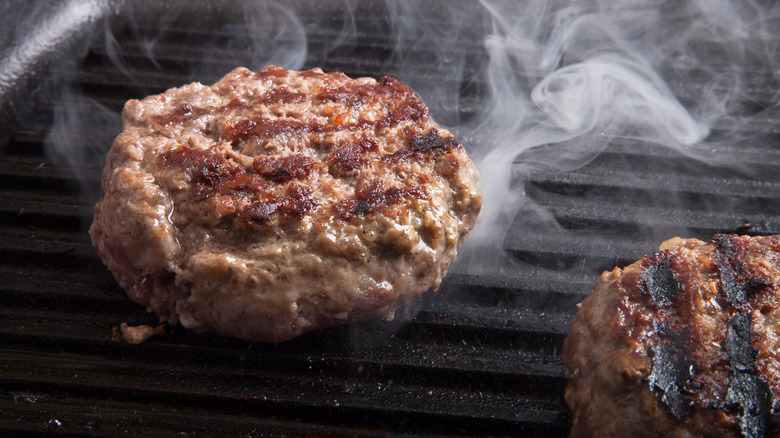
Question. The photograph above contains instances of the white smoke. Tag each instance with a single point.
(566, 79)
(525, 85)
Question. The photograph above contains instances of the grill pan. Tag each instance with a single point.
(481, 357)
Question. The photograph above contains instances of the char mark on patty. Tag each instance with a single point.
(296, 166)
(211, 174)
(742, 355)
(670, 373)
(265, 127)
(747, 395)
(659, 280)
(296, 202)
(430, 144)
(354, 155)
(750, 398)
(282, 95)
(356, 96)
(738, 280)
(374, 197)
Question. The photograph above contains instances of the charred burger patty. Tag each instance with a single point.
(277, 202)
(682, 343)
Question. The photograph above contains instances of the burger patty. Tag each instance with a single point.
(277, 202)
(682, 343)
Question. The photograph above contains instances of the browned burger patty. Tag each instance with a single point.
(682, 343)
(274, 203)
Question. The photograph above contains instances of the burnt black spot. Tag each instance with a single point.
(750, 397)
(742, 355)
(362, 207)
(747, 396)
(672, 369)
(660, 282)
(678, 338)
(670, 372)
(734, 290)
(431, 145)
(739, 291)
(755, 285)
(773, 426)
(432, 140)
(737, 282)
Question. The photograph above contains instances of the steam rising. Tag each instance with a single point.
(525, 85)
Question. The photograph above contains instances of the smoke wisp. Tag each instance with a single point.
(526, 86)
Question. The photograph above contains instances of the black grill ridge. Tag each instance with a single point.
(481, 357)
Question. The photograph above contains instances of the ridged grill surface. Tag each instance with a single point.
(481, 357)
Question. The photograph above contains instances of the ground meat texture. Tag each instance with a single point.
(683, 343)
(277, 202)
(139, 334)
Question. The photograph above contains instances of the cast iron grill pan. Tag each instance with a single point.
(481, 357)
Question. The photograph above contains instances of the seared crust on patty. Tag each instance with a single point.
(277, 202)
(682, 343)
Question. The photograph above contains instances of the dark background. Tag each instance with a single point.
(480, 357)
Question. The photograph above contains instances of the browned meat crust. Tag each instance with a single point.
(278, 202)
(682, 343)
(139, 334)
